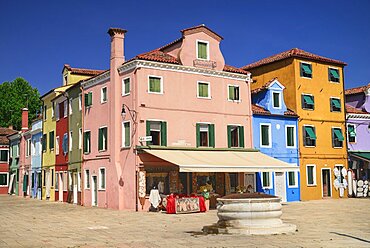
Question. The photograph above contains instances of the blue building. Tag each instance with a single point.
(36, 133)
(275, 133)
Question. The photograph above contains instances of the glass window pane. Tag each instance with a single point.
(276, 97)
(265, 135)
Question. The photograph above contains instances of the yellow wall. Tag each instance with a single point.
(323, 155)
(73, 78)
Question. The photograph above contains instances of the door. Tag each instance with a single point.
(61, 185)
(250, 182)
(326, 190)
(94, 192)
(280, 189)
(74, 188)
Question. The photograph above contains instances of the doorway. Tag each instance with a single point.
(326, 185)
(61, 185)
(280, 189)
(74, 188)
(94, 196)
(250, 182)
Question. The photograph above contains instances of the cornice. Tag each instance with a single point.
(96, 80)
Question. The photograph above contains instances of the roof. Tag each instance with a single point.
(353, 110)
(4, 132)
(83, 71)
(263, 87)
(292, 53)
(262, 111)
(357, 90)
(203, 28)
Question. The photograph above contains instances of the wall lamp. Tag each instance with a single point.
(132, 113)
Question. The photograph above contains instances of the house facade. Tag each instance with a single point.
(36, 151)
(4, 159)
(153, 112)
(314, 89)
(14, 144)
(275, 133)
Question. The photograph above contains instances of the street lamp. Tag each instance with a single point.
(132, 113)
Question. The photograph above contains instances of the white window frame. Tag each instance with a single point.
(57, 112)
(56, 145)
(124, 136)
(196, 49)
(313, 174)
(79, 181)
(332, 133)
(87, 179)
(355, 128)
(270, 178)
(338, 98)
(28, 147)
(123, 86)
(65, 105)
(104, 148)
(305, 94)
(228, 93)
(294, 136)
(53, 109)
(314, 127)
(80, 134)
(80, 101)
(101, 94)
(335, 68)
(304, 62)
(295, 179)
(70, 140)
(8, 151)
(57, 182)
(90, 147)
(272, 99)
(100, 179)
(7, 179)
(209, 90)
(161, 83)
(70, 106)
(270, 135)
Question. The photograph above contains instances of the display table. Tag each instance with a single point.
(178, 204)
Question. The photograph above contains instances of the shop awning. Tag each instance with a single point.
(222, 161)
(361, 155)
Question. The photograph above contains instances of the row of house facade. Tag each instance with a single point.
(179, 118)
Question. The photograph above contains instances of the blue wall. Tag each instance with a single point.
(36, 156)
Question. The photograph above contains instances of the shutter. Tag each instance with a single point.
(163, 133)
(127, 86)
(105, 133)
(197, 127)
(90, 98)
(85, 142)
(231, 93)
(241, 136)
(86, 100)
(211, 130)
(148, 132)
(229, 136)
(127, 134)
(100, 139)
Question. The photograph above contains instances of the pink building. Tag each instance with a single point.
(177, 118)
(25, 157)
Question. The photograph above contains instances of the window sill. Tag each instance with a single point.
(308, 109)
(311, 185)
(102, 150)
(334, 82)
(265, 146)
(207, 59)
(293, 187)
(338, 147)
(101, 189)
(125, 148)
(310, 146)
(126, 94)
(87, 188)
(155, 93)
(306, 77)
(206, 98)
(236, 101)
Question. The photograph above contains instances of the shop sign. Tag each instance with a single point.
(145, 138)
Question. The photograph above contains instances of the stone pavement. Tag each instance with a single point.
(34, 223)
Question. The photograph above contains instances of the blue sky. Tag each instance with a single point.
(38, 37)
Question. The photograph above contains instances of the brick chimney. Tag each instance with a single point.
(117, 53)
(24, 119)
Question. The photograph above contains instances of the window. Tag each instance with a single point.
(87, 144)
(52, 177)
(57, 111)
(265, 135)
(309, 136)
(79, 181)
(4, 179)
(101, 178)
(276, 100)
(155, 85)
(233, 92)
(70, 140)
(126, 134)
(267, 180)
(335, 104)
(70, 106)
(125, 86)
(340, 176)
(290, 136)
(64, 178)
(65, 108)
(235, 136)
(52, 109)
(87, 179)
(45, 108)
(88, 99)
(205, 135)
(44, 181)
(333, 75)
(292, 179)
(311, 175)
(204, 90)
(308, 102)
(57, 145)
(51, 140)
(65, 143)
(337, 137)
(28, 147)
(234, 182)
(306, 70)
(44, 142)
(70, 187)
(3, 155)
(103, 96)
(158, 131)
(202, 50)
(103, 139)
(80, 102)
(351, 133)
(57, 181)
(33, 147)
(80, 138)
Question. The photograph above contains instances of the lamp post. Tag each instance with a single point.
(132, 113)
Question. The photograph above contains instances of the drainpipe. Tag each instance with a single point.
(345, 122)
(82, 150)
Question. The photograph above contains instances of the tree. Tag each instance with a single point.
(14, 96)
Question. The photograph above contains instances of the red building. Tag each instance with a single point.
(4, 159)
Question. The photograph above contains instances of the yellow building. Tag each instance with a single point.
(314, 89)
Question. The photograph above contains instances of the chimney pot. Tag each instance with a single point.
(24, 119)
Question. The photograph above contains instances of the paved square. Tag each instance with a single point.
(34, 223)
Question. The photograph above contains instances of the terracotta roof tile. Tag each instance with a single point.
(230, 68)
(262, 111)
(263, 87)
(83, 71)
(206, 29)
(357, 90)
(159, 56)
(353, 110)
(4, 132)
(292, 53)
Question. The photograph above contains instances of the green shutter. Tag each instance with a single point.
(241, 136)
(198, 134)
(265, 135)
(229, 136)
(231, 92)
(308, 99)
(334, 73)
(51, 140)
(127, 85)
(202, 50)
(90, 99)
(338, 134)
(148, 132)
(306, 68)
(290, 136)
(44, 142)
(310, 174)
(100, 139)
(351, 131)
(127, 134)
(163, 133)
(311, 133)
(154, 84)
(211, 130)
(203, 90)
(25, 182)
(335, 102)
(86, 99)
(87, 142)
